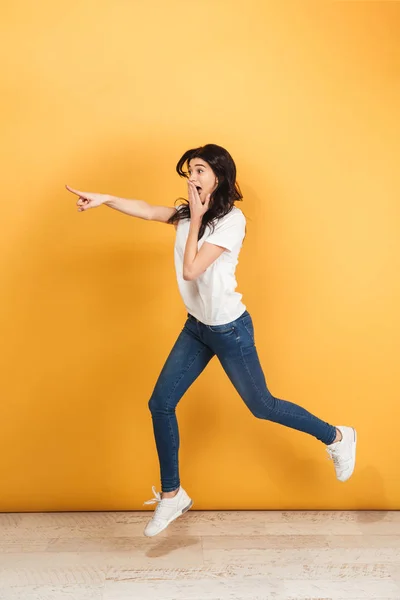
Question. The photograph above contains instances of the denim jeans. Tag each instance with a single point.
(233, 343)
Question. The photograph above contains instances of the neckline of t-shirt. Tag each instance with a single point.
(232, 209)
(227, 214)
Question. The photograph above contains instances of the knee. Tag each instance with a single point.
(259, 415)
(158, 404)
(152, 404)
(266, 410)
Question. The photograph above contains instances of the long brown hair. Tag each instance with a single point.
(227, 191)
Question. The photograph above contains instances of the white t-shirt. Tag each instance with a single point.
(211, 298)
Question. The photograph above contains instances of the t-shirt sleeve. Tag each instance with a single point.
(229, 232)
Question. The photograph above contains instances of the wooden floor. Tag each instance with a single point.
(206, 555)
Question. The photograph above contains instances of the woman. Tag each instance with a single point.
(210, 230)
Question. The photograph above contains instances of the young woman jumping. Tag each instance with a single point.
(210, 229)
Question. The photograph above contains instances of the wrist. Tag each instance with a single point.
(196, 221)
(108, 199)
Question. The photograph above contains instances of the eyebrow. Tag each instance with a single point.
(198, 165)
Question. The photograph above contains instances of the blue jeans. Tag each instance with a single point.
(233, 343)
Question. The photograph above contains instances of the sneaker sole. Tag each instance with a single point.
(175, 516)
(353, 456)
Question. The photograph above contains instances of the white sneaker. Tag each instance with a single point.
(343, 453)
(167, 510)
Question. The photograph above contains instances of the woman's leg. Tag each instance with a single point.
(237, 353)
(187, 359)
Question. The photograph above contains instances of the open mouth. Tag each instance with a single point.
(198, 189)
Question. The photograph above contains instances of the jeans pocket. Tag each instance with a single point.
(221, 328)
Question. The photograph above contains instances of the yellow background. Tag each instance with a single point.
(105, 96)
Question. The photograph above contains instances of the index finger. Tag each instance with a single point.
(77, 192)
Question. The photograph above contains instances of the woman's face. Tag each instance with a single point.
(203, 177)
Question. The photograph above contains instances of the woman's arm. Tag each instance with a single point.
(141, 209)
(196, 262)
(134, 208)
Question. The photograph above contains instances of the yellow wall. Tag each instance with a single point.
(106, 96)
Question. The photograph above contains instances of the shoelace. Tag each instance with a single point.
(332, 455)
(338, 459)
(157, 500)
(157, 497)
